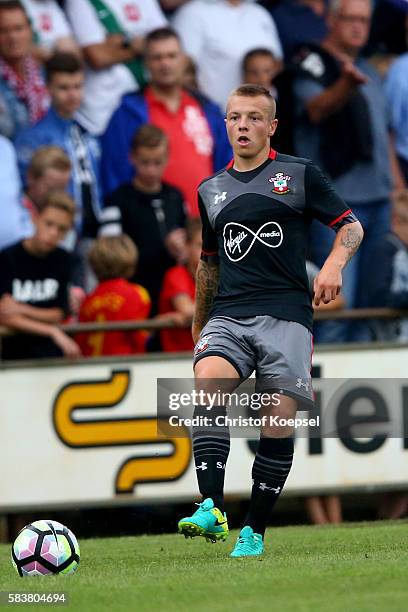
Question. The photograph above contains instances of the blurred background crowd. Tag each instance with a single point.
(112, 113)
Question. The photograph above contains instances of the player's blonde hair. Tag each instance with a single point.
(253, 91)
(113, 257)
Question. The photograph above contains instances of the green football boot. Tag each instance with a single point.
(206, 521)
(249, 544)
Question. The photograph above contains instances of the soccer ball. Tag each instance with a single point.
(45, 547)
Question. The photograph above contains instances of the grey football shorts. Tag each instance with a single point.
(280, 352)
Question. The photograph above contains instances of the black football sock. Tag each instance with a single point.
(211, 445)
(270, 470)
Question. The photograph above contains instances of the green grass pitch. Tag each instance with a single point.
(358, 567)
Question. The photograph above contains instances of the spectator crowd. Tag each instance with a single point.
(112, 113)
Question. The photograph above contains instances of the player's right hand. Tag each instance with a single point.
(327, 284)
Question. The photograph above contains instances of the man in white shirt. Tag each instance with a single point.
(111, 34)
(217, 34)
(50, 27)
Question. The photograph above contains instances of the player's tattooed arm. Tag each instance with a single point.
(327, 283)
(350, 237)
(207, 278)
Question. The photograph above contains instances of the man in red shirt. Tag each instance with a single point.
(176, 303)
(113, 259)
(193, 124)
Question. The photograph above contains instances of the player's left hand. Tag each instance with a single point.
(327, 284)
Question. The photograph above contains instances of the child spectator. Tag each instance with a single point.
(113, 260)
(49, 169)
(65, 79)
(260, 67)
(176, 302)
(33, 285)
(150, 211)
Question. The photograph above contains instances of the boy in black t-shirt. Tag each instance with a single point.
(149, 211)
(34, 275)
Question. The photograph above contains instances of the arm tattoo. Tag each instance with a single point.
(206, 287)
(350, 239)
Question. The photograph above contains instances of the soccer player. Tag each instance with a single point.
(253, 307)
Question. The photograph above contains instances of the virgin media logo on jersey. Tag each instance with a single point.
(234, 242)
(239, 239)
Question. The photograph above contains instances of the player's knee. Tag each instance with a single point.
(204, 370)
(214, 366)
(214, 375)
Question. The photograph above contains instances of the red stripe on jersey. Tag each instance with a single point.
(339, 218)
(272, 155)
(209, 252)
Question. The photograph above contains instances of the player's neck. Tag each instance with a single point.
(244, 164)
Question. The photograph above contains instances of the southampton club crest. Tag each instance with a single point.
(202, 344)
(280, 183)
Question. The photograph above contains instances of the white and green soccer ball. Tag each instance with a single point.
(45, 547)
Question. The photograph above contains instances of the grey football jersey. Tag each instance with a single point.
(256, 226)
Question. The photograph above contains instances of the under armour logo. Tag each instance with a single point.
(220, 197)
(270, 234)
(263, 487)
(300, 384)
(202, 467)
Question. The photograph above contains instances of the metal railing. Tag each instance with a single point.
(158, 324)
